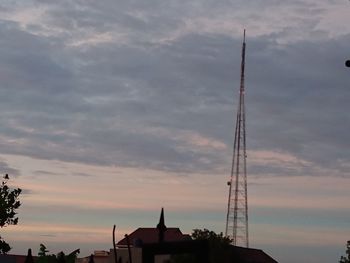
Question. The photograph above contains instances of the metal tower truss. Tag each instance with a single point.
(237, 209)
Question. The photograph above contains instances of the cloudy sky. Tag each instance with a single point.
(111, 110)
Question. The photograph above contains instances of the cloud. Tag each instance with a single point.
(143, 95)
(82, 174)
(308, 236)
(6, 169)
(169, 105)
(42, 172)
(27, 192)
(48, 173)
(306, 102)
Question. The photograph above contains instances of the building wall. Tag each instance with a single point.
(97, 259)
(123, 255)
(136, 256)
(12, 258)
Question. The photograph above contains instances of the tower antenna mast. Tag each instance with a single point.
(237, 208)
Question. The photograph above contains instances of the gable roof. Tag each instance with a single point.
(251, 255)
(149, 235)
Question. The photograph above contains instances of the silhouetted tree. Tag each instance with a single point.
(42, 251)
(59, 258)
(218, 245)
(347, 252)
(9, 203)
(44, 257)
(72, 256)
(29, 257)
(211, 236)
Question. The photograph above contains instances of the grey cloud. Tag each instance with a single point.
(6, 169)
(82, 174)
(48, 235)
(146, 23)
(27, 192)
(42, 172)
(306, 92)
(48, 173)
(280, 169)
(92, 105)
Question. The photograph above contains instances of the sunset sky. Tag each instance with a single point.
(111, 110)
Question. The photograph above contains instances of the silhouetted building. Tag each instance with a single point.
(148, 235)
(145, 236)
(158, 244)
(14, 258)
(249, 255)
(99, 256)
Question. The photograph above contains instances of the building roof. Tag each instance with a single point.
(250, 255)
(147, 235)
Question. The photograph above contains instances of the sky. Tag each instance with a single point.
(110, 110)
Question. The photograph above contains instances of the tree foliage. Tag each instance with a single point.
(9, 203)
(218, 246)
(44, 257)
(42, 251)
(346, 259)
(211, 236)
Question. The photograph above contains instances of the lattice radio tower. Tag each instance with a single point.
(237, 208)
